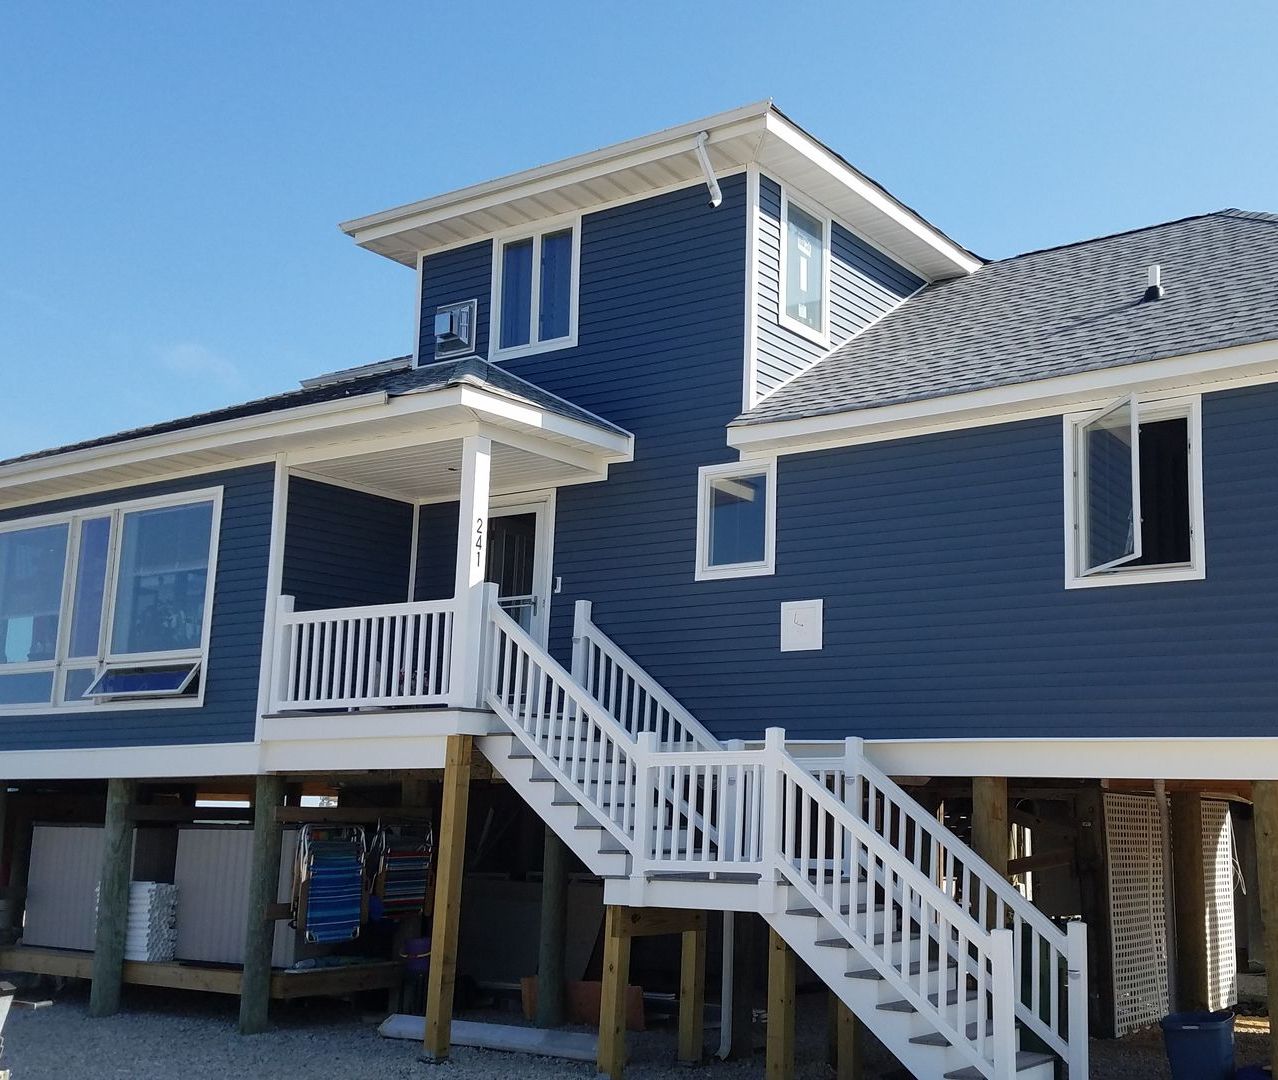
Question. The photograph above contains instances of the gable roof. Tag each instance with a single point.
(1058, 311)
(393, 378)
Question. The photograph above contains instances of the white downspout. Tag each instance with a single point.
(716, 196)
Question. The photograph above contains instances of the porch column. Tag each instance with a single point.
(472, 564)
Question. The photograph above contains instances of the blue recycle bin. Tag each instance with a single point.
(1200, 1045)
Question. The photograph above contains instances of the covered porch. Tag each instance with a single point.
(385, 541)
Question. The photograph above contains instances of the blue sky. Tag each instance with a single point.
(171, 174)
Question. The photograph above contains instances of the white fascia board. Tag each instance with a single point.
(1205, 372)
(523, 414)
(801, 142)
(547, 177)
(225, 433)
(133, 762)
(1207, 758)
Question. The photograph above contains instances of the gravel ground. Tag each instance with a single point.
(162, 1035)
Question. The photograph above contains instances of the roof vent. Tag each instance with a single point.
(1154, 283)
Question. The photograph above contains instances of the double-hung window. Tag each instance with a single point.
(535, 290)
(805, 271)
(736, 520)
(108, 604)
(1133, 493)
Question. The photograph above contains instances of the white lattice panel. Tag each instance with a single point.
(1136, 911)
(1218, 881)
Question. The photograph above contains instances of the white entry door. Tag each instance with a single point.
(520, 538)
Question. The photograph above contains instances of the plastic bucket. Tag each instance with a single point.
(416, 955)
(1200, 1045)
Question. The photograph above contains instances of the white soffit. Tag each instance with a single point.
(755, 134)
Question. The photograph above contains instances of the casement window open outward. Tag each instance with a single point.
(1134, 493)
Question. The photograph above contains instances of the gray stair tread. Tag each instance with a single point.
(1025, 1059)
(836, 943)
(719, 875)
(933, 966)
(904, 1006)
(935, 1038)
(615, 849)
(812, 913)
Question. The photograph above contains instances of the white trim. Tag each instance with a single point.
(536, 234)
(798, 139)
(1155, 758)
(419, 313)
(750, 367)
(116, 511)
(542, 503)
(1144, 408)
(1202, 372)
(707, 473)
(412, 552)
(821, 336)
(274, 587)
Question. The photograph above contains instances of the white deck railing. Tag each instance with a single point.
(634, 699)
(363, 657)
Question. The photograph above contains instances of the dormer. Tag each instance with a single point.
(502, 264)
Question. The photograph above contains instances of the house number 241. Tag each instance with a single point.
(479, 542)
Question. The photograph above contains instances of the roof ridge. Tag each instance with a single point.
(1252, 215)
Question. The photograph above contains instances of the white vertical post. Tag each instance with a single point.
(1003, 991)
(278, 672)
(771, 817)
(647, 850)
(580, 620)
(472, 565)
(1076, 998)
(268, 674)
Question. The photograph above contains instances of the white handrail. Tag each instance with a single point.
(1054, 960)
(634, 698)
(372, 656)
(567, 731)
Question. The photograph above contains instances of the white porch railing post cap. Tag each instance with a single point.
(284, 602)
(774, 738)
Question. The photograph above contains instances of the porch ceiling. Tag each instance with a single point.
(432, 472)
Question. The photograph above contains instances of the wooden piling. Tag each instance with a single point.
(259, 933)
(445, 924)
(554, 929)
(692, 996)
(612, 999)
(780, 1040)
(113, 899)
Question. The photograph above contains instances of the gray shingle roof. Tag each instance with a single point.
(1055, 312)
(396, 381)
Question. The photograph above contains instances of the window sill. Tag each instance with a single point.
(515, 352)
(1152, 576)
(741, 570)
(803, 330)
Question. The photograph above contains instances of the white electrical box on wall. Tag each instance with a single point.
(801, 625)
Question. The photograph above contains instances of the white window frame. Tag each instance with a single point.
(749, 467)
(61, 665)
(534, 346)
(820, 337)
(1145, 410)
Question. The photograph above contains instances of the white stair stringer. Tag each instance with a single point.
(883, 903)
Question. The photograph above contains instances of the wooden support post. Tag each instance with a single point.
(450, 864)
(19, 871)
(612, 999)
(1189, 889)
(259, 933)
(551, 986)
(113, 899)
(780, 1044)
(692, 996)
(846, 1041)
(991, 835)
(746, 953)
(1264, 796)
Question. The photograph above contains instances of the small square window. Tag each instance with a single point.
(1133, 494)
(736, 520)
(805, 242)
(535, 292)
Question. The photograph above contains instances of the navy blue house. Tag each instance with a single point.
(706, 435)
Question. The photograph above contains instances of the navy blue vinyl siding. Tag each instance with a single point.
(941, 563)
(436, 551)
(229, 713)
(345, 548)
(460, 274)
(864, 284)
